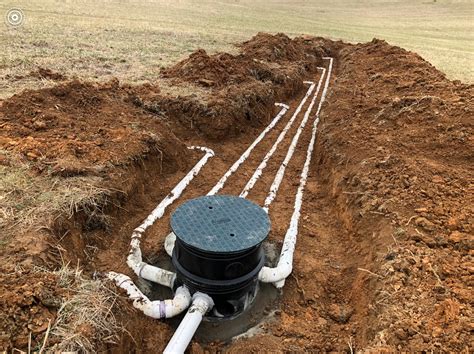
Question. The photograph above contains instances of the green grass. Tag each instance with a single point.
(132, 40)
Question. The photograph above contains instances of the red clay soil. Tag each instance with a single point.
(259, 60)
(384, 253)
(82, 128)
(280, 48)
(242, 88)
(400, 135)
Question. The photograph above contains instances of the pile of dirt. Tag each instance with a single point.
(217, 70)
(265, 57)
(26, 310)
(400, 135)
(241, 88)
(281, 48)
(79, 128)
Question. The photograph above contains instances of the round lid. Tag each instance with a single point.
(220, 223)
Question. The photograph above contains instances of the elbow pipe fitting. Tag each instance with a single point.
(155, 309)
(149, 272)
(276, 275)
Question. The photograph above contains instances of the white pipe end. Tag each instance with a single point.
(169, 243)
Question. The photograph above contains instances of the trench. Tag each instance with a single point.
(327, 257)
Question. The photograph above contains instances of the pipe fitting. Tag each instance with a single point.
(154, 309)
(201, 304)
(135, 259)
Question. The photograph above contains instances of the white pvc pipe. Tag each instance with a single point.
(169, 243)
(284, 267)
(281, 171)
(134, 259)
(155, 309)
(247, 152)
(258, 172)
(171, 238)
(190, 323)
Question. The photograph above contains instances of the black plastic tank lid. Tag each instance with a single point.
(220, 223)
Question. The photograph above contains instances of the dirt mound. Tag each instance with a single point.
(36, 298)
(231, 112)
(216, 70)
(81, 128)
(269, 68)
(403, 133)
(261, 59)
(280, 48)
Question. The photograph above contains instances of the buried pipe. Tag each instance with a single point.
(171, 238)
(182, 299)
(154, 309)
(135, 259)
(284, 267)
(193, 318)
(258, 172)
(247, 152)
(202, 303)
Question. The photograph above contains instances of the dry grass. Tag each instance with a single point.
(29, 200)
(85, 318)
(132, 40)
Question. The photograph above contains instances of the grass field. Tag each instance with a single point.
(132, 40)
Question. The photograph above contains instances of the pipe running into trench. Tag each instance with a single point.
(166, 308)
(247, 152)
(171, 238)
(258, 172)
(201, 302)
(281, 171)
(284, 267)
(277, 275)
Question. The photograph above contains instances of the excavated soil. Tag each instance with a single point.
(385, 243)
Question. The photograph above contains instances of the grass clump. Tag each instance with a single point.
(85, 318)
(29, 200)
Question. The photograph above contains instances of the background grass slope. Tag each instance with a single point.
(132, 40)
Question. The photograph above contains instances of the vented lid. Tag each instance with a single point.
(220, 223)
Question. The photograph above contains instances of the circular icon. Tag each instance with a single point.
(14, 17)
